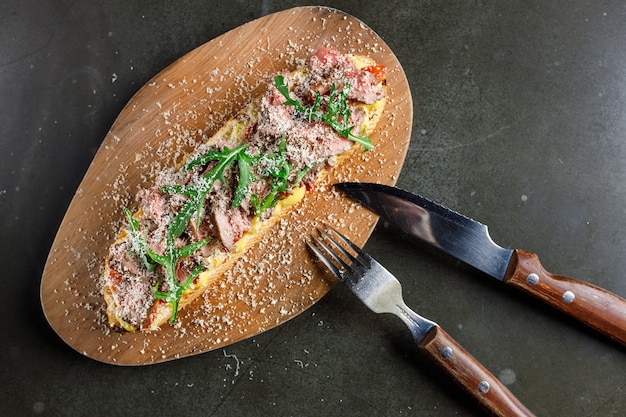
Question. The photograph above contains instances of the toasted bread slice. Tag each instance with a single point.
(131, 287)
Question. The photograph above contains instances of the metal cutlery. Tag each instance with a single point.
(469, 241)
(379, 290)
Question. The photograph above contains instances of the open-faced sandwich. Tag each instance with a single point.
(196, 221)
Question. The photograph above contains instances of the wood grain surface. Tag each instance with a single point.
(594, 306)
(182, 106)
(474, 378)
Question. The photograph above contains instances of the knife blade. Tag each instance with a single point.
(468, 240)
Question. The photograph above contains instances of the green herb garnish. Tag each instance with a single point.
(275, 167)
(169, 261)
(198, 191)
(336, 115)
(138, 242)
(246, 177)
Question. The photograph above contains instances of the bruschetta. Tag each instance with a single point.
(197, 220)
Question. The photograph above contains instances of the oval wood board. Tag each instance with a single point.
(182, 106)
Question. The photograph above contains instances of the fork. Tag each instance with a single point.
(379, 290)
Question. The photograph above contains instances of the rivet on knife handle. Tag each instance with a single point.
(469, 241)
(471, 375)
(596, 307)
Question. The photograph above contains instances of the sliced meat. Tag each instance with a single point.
(183, 269)
(311, 143)
(231, 225)
(325, 59)
(329, 67)
(153, 203)
(364, 87)
(274, 118)
(203, 231)
(135, 298)
(131, 264)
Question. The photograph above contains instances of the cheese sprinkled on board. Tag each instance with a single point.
(196, 221)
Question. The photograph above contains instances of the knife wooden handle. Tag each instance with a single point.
(594, 306)
(474, 378)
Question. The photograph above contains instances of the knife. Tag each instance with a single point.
(469, 241)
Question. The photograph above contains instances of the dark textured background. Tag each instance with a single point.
(519, 122)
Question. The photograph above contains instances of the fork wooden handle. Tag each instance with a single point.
(471, 375)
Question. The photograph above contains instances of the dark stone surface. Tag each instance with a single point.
(520, 122)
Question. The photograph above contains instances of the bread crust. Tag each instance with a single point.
(232, 133)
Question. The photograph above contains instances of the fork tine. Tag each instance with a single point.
(315, 247)
(334, 255)
(354, 261)
(344, 272)
(363, 257)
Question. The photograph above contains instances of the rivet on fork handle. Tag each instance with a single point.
(474, 378)
(379, 290)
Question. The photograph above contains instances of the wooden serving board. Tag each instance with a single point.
(182, 106)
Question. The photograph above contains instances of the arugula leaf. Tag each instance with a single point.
(336, 116)
(191, 248)
(283, 88)
(211, 155)
(246, 177)
(174, 297)
(277, 169)
(198, 191)
(138, 242)
(169, 261)
(301, 174)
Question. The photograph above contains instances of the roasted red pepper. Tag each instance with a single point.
(378, 71)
